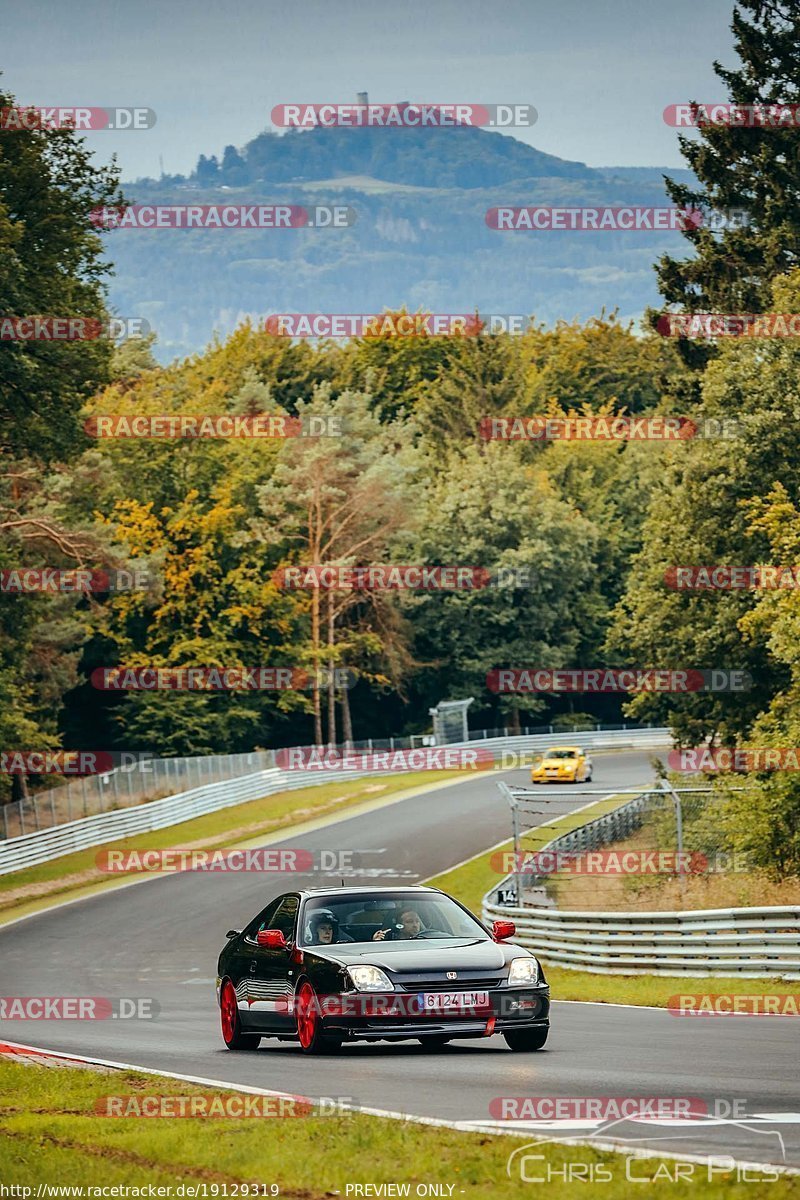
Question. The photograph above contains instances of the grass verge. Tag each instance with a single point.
(472, 880)
(35, 887)
(50, 1135)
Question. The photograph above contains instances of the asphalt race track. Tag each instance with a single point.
(161, 939)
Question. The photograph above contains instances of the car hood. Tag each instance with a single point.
(451, 954)
(558, 762)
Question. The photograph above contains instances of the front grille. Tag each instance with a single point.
(462, 984)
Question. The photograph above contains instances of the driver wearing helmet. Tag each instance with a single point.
(323, 929)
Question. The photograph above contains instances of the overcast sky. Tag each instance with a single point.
(599, 72)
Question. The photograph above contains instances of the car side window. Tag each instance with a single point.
(262, 921)
(286, 916)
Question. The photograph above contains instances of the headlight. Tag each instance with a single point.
(523, 970)
(370, 979)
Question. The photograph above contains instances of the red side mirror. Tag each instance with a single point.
(271, 937)
(503, 930)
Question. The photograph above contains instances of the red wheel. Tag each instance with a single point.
(231, 1022)
(306, 1015)
(309, 1023)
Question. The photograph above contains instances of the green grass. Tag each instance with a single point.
(470, 882)
(78, 872)
(50, 1135)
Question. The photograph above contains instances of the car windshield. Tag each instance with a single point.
(401, 916)
(561, 754)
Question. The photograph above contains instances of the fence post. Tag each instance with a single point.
(517, 854)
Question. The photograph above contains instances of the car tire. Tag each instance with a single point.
(309, 1023)
(232, 1034)
(526, 1039)
(434, 1042)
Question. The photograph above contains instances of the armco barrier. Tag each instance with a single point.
(749, 942)
(33, 848)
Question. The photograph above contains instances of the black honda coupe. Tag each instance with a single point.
(330, 965)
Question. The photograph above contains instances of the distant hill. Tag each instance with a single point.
(420, 238)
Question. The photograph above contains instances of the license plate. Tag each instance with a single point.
(437, 1001)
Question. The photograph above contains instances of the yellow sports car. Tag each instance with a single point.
(563, 764)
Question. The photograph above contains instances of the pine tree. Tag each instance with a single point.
(254, 396)
(755, 170)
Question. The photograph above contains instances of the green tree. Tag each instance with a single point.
(50, 266)
(394, 368)
(340, 499)
(487, 508)
(700, 515)
(756, 170)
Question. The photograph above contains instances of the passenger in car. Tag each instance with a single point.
(323, 929)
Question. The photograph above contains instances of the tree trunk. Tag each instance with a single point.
(331, 687)
(315, 680)
(19, 787)
(347, 723)
(516, 727)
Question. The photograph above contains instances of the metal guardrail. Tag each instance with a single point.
(34, 848)
(749, 942)
(47, 844)
(137, 781)
(143, 777)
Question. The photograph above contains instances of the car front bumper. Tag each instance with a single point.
(507, 1009)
